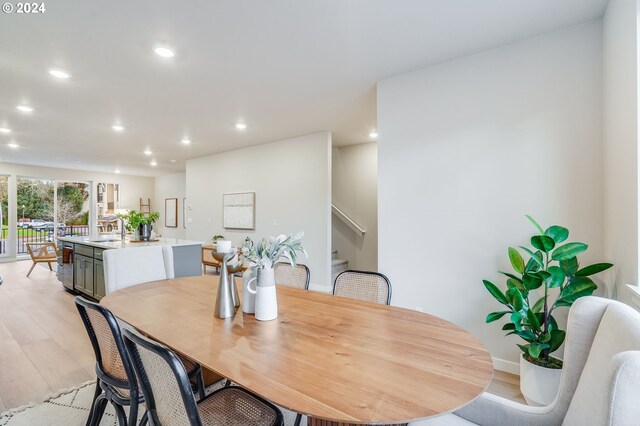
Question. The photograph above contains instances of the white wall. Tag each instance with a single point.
(132, 188)
(466, 149)
(170, 186)
(620, 48)
(354, 190)
(292, 182)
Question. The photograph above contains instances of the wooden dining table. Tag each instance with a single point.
(326, 356)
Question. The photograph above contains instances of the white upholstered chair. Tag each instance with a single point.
(600, 382)
(130, 266)
(137, 265)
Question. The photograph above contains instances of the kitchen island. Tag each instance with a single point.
(81, 268)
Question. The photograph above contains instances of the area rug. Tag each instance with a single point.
(70, 407)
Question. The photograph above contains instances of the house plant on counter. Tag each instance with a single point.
(140, 223)
(263, 256)
(553, 270)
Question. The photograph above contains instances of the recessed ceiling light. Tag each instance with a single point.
(153, 163)
(24, 108)
(5, 130)
(373, 134)
(59, 74)
(117, 170)
(79, 161)
(185, 141)
(164, 51)
(117, 127)
(147, 152)
(13, 145)
(173, 161)
(241, 126)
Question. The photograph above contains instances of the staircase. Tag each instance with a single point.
(337, 265)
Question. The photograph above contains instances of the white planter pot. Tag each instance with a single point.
(539, 385)
(266, 301)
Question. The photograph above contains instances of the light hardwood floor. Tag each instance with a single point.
(44, 347)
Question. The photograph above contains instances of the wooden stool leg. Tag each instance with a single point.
(50, 268)
(32, 266)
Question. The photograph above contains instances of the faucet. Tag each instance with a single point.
(123, 232)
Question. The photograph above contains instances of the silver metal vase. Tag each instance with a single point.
(225, 303)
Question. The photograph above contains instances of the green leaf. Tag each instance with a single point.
(534, 223)
(542, 242)
(523, 348)
(537, 307)
(557, 337)
(569, 266)
(532, 281)
(527, 335)
(553, 324)
(495, 292)
(535, 349)
(531, 266)
(516, 299)
(593, 269)
(537, 258)
(509, 326)
(556, 278)
(510, 276)
(514, 283)
(511, 283)
(545, 338)
(516, 260)
(575, 289)
(494, 316)
(558, 233)
(516, 319)
(532, 320)
(568, 251)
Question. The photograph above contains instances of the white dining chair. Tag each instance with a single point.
(600, 379)
(136, 265)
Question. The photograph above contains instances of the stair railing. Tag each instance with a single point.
(347, 220)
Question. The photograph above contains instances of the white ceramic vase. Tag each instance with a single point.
(265, 292)
(539, 385)
(249, 298)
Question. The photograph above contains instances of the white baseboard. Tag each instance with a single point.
(506, 366)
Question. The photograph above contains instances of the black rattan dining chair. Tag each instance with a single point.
(292, 276)
(363, 285)
(169, 399)
(113, 367)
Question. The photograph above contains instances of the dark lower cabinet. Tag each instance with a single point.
(83, 274)
(98, 279)
(88, 271)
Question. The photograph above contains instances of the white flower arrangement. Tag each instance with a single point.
(267, 253)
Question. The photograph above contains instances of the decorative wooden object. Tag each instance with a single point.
(145, 208)
(326, 356)
(207, 258)
(42, 253)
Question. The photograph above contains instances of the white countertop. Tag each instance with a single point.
(108, 242)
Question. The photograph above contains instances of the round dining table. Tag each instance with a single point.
(325, 356)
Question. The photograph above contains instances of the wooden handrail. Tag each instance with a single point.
(346, 219)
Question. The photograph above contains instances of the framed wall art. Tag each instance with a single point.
(238, 210)
(171, 212)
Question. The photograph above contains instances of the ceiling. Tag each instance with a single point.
(285, 68)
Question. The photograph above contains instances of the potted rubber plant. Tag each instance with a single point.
(140, 223)
(547, 278)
